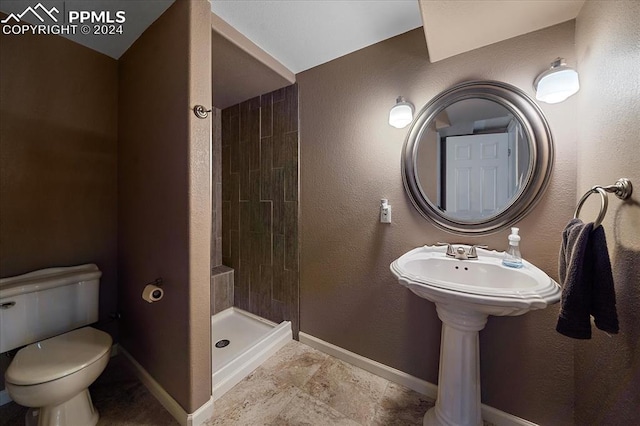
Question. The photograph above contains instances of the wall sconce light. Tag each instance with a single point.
(401, 114)
(557, 83)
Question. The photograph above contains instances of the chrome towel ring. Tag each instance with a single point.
(604, 203)
(622, 188)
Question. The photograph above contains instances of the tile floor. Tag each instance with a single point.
(297, 386)
(302, 386)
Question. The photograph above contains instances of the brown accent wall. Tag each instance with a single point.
(164, 200)
(58, 143)
(260, 203)
(350, 159)
(607, 369)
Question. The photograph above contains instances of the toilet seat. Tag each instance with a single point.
(57, 357)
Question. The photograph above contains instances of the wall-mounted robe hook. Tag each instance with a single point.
(201, 112)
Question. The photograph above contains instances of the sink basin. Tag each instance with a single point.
(484, 284)
(466, 292)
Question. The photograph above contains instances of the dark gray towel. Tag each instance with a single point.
(585, 273)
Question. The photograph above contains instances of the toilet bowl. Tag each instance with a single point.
(52, 377)
(47, 313)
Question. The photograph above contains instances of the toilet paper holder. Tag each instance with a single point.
(153, 291)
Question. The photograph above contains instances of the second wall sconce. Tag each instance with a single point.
(401, 114)
(557, 83)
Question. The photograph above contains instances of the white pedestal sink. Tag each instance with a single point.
(466, 292)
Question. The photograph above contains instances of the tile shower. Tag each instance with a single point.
(254, 280)
(259, 154)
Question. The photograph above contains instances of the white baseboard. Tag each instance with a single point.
(489, 414)
(202, 414)
(500, 418)
(421, 386)
(197, 418)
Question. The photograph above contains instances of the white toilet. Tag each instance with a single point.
(52, 376)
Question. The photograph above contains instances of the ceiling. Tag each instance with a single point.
(454, 27)
(304, 33)
(301, 34)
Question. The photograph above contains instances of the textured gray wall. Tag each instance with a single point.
(607, 370)
(350, 159)
(164, 201)
(58, 154)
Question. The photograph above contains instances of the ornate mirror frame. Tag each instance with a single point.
(541, 156)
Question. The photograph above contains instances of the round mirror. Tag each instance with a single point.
(478, 157)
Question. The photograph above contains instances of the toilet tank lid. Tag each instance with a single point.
(57, 357)
(44, 279)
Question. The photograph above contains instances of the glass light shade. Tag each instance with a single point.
(401, 114)
(556, 84)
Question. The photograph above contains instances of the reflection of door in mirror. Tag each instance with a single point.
(472, 160)
(476, 180)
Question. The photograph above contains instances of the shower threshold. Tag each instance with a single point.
(241, 342)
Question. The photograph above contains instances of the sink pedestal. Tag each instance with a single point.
(458, 402)
(466, 293)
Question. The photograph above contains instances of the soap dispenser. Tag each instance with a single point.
(513, 258)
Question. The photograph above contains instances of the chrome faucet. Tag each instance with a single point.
(459, 252)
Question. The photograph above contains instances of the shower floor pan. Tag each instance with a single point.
(240, 343)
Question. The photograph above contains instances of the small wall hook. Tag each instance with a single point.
(201, 112)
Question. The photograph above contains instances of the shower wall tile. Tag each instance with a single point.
(221, 289)
(241, 292)
(226, 237)
(266, 115)
(254, 134)
(291, 235)
(254, 186)
(234, 182)
(216, 186)
(278, 95)
(291, 167)
(291, 105)
(278, 201)
(266, 166)
(234, 147)
(260, 203)
(279, 287)
(226, 173)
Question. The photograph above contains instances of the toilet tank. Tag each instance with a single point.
(48, 302)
